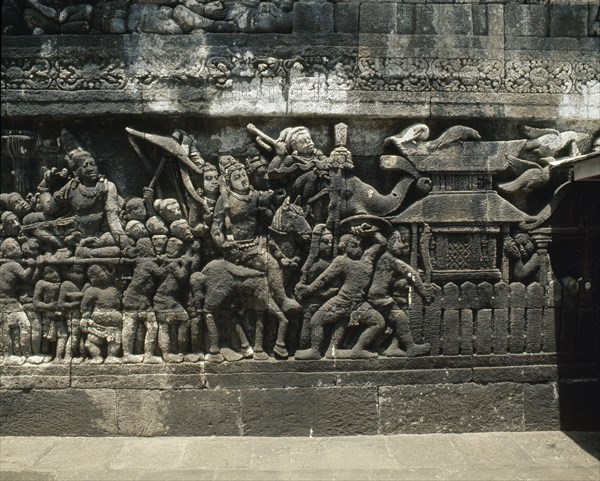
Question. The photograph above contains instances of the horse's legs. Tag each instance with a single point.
(247, 351)
(214, 353)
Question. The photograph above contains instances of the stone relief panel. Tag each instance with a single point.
(342, 70)
(50, 17)
(279, 247)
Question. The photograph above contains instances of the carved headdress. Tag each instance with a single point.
(76, 154)
(289, 135)
(228, 165)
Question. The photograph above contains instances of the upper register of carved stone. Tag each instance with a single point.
(287, 233)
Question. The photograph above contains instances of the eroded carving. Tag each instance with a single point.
(275, 234)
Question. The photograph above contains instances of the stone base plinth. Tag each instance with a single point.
(302, 398)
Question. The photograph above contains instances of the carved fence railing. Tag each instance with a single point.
(508, 318)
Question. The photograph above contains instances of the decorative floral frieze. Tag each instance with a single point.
(332, 71)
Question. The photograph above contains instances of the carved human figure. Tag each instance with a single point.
(391, 272)
(11, 226)
(12, 315)
(138, 307)
(527, 263)
(47, 309)
(69, 304)
(186, 16)
(169, 210)
(239, 231)
(58, 16)
(101, 317)
(15, 203)
(173, 319)
(354, 269)
(300, 167)
(319, 258)
(201, 214)
(90, 198)
(135, 209)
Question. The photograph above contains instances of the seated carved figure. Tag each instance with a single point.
(91, 199)
(223, 283)
(101, 317)
(238, 232)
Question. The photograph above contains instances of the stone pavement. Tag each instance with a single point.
(483, 456)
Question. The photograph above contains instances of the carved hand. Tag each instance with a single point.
(301, 291)
(281, 149)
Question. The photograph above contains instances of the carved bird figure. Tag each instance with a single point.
(531, 176)
(548, 142)
(457, 133)
(413, 133)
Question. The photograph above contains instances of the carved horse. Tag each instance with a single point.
(222, 282)
(288, 233)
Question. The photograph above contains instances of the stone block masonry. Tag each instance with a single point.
(298, 218)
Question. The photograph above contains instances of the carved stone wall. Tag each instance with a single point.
(293, 218)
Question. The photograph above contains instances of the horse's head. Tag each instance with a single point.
(291, 219)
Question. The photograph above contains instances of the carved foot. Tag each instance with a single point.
(247, 352)
(193, 357)
(280, 351)
(394, 351)
(308, 354)
(14, 360)
(77, 360)
(35, 359)
(95, 360)
(57, 360)
(148, 359)
(113, 360)
(214, 357)
(230, 355)
(133, 358)
(47, 358)
(418, 350)
(331, 353)
(260, 356)
(355, 354)
(172, 358)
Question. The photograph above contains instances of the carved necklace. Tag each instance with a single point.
(88, 192)
(244, 197)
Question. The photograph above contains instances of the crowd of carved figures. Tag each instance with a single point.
(48, 17)
(280, 251)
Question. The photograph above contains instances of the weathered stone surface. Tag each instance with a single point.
(430, 408)
(313, 16)
(64, 412)
(568, 20)
(306, 412)
(178, 413)
(526, 20)
(378, 18)
(541, 406)
(210, 202)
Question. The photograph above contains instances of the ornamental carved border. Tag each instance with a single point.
(345, 72)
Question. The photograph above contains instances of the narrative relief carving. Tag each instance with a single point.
(280, 251)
